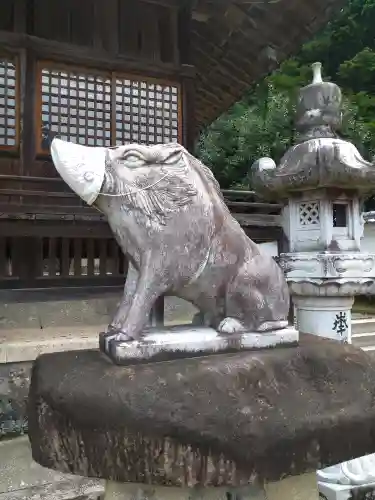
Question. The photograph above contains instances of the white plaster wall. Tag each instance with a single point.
(270, 248)
(368, 240)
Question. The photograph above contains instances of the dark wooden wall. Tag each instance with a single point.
(141, 30)
(48, 238)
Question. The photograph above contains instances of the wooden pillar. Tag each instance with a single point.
(188, 86)
(188, 114)
(27, 258)
(28, 111)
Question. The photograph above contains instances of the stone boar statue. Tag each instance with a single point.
(167, 213)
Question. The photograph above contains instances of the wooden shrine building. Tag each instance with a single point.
(101, 72)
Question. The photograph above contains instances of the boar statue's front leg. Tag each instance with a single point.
(150, 286)
(123, 308)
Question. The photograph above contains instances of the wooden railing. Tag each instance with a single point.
(32, 262)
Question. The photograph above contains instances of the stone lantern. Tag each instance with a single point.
(321, 180)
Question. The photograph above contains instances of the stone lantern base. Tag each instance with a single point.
(323, 286)
(328, 317)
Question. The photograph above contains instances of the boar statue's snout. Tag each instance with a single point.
(81, 167)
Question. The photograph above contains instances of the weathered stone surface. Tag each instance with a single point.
(60, 491)
(218, 420)
(82, 490)
(14, 387)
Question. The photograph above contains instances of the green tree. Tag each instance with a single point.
(262, 123)
(234, 141)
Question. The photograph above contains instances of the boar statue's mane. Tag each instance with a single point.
(165, 182)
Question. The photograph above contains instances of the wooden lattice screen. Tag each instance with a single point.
(146, 112)
(76, 106)
(60, 260)
(103, 109)
(9, 103)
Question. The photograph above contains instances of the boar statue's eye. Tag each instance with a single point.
(133, 160)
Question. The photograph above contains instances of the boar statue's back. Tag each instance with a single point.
(167, 213)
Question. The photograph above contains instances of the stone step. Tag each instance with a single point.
(363, 325)
(365, 341)
(23, 479)
(363, 333)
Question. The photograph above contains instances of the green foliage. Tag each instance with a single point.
(247, 132)
(262, 123)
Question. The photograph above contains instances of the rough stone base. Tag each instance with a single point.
(14, 388)
(220, 420)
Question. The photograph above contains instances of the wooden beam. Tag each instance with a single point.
(76, 285)
(172, 4)
(59, 212)
(248, 205)
(60, 289)
(29, 178)
(261, 220)
(64, 52)
(43, 194)
(54, 229)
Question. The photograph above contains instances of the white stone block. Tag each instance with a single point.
(187, 341)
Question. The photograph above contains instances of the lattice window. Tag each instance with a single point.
(309, 213)
(106, 109)
(8, 104)
(76, 107)
(146, 112)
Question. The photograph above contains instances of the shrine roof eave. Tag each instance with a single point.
(235, 44)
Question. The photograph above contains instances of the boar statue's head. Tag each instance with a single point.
(156, 180)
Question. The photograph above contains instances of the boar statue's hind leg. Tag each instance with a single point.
(261, 307)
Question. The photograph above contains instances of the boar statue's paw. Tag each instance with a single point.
(230, 325)
(117, 334)
(123, 337)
